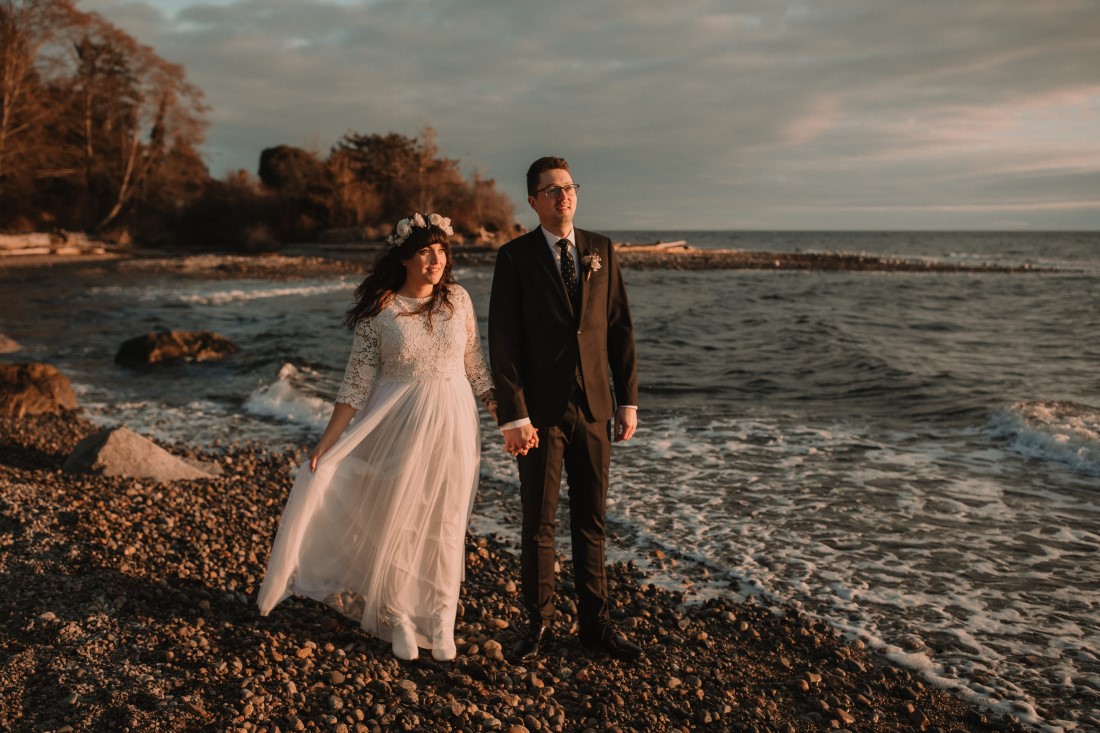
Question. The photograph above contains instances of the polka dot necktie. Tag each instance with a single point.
(568, 269)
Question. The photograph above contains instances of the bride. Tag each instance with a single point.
(375, 523)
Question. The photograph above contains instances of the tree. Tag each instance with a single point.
(486, 207)
(304, 186)
(377, 164)
(390, 176)
(291, 171)
(92, 123)
(402, 172)
(356, 199)
(27, 30)
(231, 213)
(134, 107)
(97, 131)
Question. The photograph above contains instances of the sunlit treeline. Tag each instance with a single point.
(98, 133)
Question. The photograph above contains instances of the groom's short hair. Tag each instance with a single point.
(549, 163)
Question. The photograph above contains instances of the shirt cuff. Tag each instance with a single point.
(515, 424)
(632, 407)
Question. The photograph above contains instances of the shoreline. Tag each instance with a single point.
(132, 604)
(320, 260)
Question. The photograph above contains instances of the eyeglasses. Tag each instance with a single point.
(551, 192)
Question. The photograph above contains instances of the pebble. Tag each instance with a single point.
(711, 663)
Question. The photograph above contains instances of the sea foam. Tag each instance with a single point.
(284, 399)
(260, 290)
(1061, 432)
(907, 543)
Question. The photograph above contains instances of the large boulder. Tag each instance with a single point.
(122, 452)
(8, 344)
(167, 346)
(34, 389)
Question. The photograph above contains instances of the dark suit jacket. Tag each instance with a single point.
(537, 342)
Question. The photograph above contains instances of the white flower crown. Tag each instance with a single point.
(405, 226)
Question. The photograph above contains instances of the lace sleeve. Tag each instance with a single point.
(476, 371)
(362, 365)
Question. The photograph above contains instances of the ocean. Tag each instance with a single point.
(912, 457)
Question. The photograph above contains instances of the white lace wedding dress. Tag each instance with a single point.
(378, 531)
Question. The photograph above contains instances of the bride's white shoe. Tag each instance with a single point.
(443, 638)
(404, 640)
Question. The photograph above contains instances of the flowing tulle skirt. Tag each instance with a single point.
(378, 531)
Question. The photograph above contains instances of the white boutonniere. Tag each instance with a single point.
(591, 263)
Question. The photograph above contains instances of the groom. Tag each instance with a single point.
(559, 321)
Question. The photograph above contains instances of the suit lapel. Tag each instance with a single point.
(550, 267)
(582, 272)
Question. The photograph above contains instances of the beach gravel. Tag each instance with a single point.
(128, 605)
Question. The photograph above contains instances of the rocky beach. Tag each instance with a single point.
(129, 605)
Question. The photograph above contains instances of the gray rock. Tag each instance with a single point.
(122, 452)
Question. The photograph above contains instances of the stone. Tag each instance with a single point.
(34, 389)
(704, 716)
(8, 345)
(122, 452)
(163, 347)
(186, 605)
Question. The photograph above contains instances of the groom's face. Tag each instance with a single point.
(556, 213)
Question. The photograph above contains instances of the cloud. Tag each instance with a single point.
(684, 114)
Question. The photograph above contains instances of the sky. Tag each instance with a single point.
(692, 114)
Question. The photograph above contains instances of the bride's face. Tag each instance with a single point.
(425, 267)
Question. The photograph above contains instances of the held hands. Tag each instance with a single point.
(517, 441)
(626, 423)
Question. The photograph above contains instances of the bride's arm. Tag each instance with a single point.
(476, 371)
(358, 378)
(362, 365)
(342, 413)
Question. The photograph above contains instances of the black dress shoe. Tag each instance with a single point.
(532, 645)
(610, 641)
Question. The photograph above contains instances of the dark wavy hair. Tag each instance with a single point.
(388, 275)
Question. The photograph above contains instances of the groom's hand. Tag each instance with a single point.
(517, 441)
(626, 423)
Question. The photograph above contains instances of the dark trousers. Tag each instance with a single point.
(584, 448)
